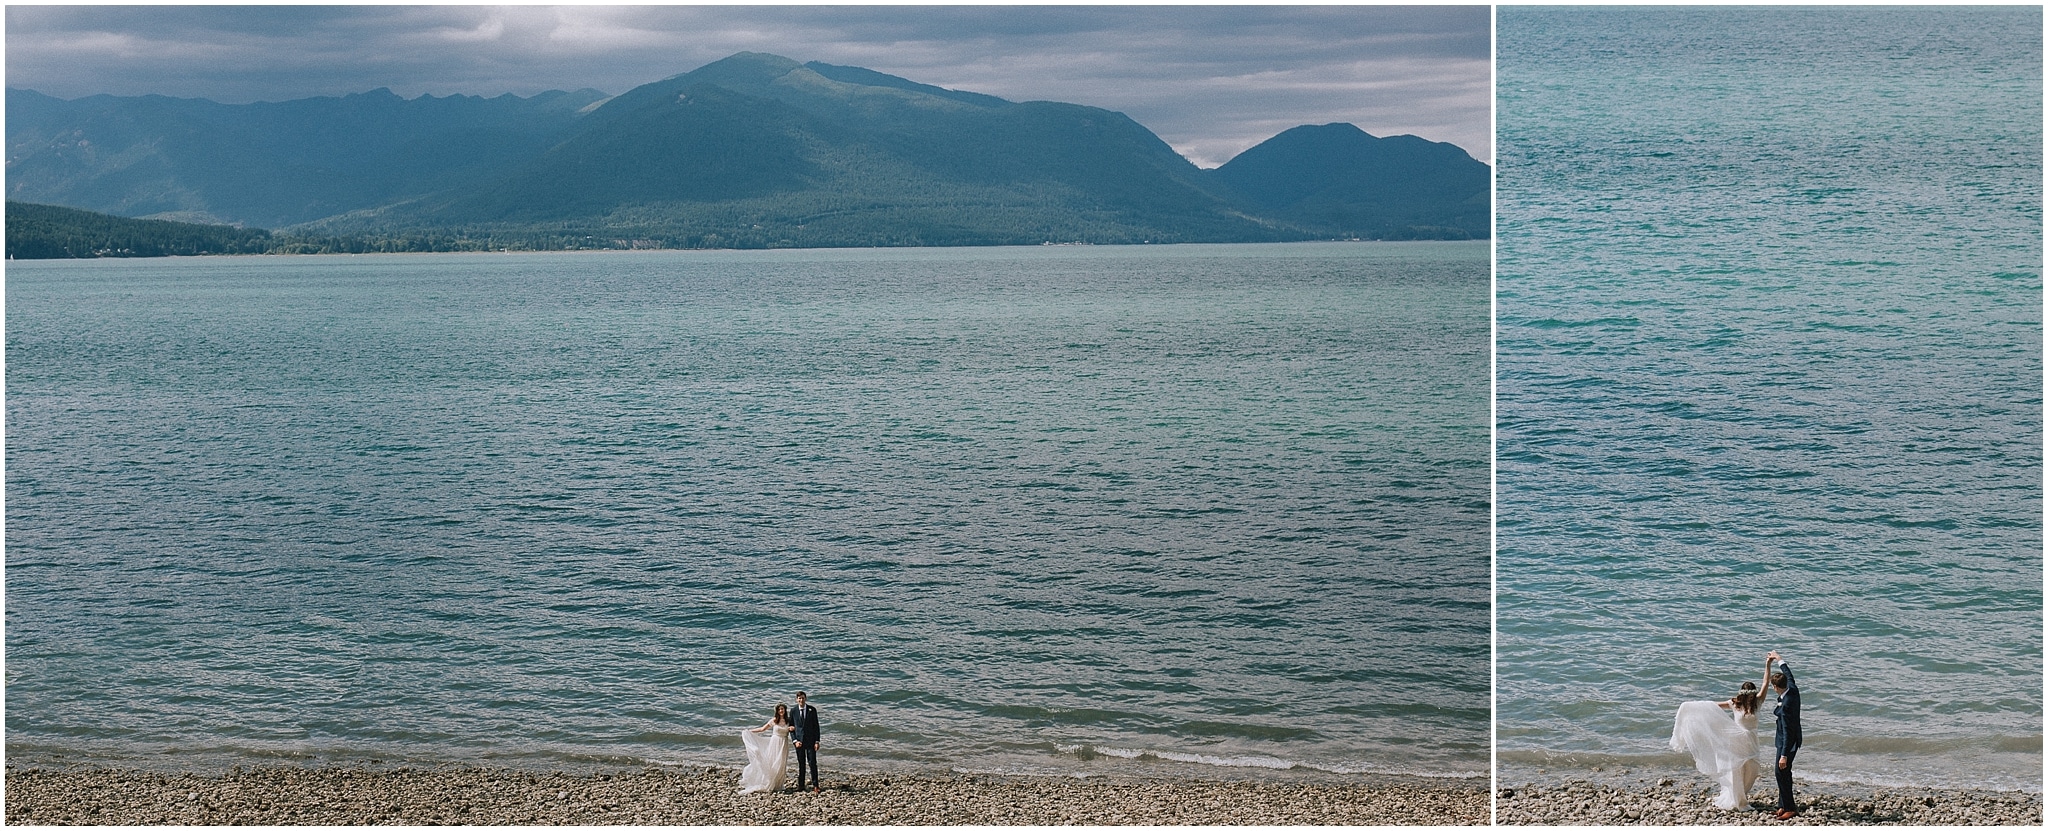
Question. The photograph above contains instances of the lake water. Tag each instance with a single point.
(1193, 510)
(1770, 378)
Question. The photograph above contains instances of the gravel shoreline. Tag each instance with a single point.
(704, 796)
(1680, 800)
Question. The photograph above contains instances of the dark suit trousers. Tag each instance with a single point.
(1785, 779)
(807, 759)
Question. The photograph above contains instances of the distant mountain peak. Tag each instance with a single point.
(815, 87)
(1341, 177)
(1344, 137)
(870, 78)
(742, 68)
(1335, 128)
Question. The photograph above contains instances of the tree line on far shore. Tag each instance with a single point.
(49, 232)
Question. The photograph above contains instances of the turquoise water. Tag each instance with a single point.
(1769, 309)
(1201, 510)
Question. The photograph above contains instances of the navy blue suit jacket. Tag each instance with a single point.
(1788, 714)
(804, 725)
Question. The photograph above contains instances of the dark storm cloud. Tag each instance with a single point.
(1210, 80)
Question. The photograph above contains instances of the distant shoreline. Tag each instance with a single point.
(706, 796)
(1112, 245)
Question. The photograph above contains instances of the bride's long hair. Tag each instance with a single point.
(1749, 698)
(782, 712)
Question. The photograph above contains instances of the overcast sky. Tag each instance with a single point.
(1210, 80)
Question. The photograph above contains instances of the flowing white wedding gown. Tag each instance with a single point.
(767, 760)
(1723, 746)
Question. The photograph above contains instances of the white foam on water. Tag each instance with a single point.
(1819, 767)
(669, 763)
(1257, 761)
(1903, 777)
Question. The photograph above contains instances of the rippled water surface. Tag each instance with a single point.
(1072, 510)
(1770, 378)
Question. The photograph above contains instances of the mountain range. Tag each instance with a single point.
(753, 150)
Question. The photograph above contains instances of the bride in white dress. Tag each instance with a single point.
(1721, 736)
(767, 754)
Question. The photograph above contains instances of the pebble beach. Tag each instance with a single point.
(705, 796)
(1683, 801)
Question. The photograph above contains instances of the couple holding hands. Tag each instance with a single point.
(1721, 736)
(768, 748)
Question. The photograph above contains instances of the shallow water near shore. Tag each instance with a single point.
(1189, 510)
(1770, 365)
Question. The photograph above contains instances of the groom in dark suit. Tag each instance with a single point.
(803, 731)
(1788, 730)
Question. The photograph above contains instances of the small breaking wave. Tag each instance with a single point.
(1989, 770)
(1253, 761)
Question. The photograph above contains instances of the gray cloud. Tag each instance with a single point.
(1210, 80)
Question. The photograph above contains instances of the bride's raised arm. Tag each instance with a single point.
(764, 728)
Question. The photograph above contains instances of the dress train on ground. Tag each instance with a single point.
(1723, 746)
(767, 760)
